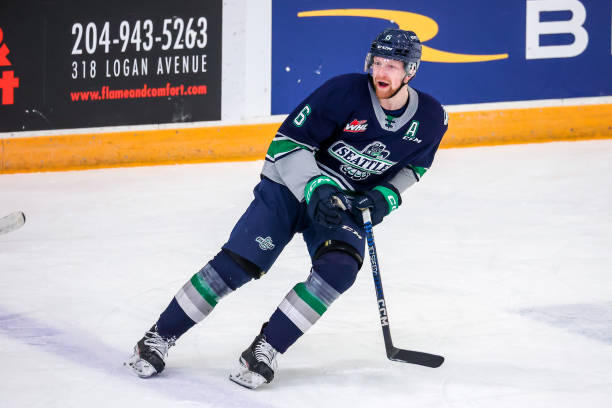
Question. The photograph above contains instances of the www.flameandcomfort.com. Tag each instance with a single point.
(106, 93)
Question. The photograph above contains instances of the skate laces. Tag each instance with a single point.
(158, 344)
(266, 353)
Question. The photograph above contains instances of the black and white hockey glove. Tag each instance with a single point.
(381, 200)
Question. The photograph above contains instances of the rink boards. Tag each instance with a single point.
(186, 82)
(478, 125)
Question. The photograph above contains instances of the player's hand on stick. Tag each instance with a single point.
(381, 200)
(326, 203)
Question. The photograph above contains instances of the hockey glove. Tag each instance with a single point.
(326, 203)
(381, 200)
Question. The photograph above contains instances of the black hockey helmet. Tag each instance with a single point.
(398, 45)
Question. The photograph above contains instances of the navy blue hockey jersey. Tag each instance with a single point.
(342, 131)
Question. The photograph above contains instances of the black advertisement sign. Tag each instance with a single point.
(72, 64)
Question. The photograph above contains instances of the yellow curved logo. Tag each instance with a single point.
(425, 27)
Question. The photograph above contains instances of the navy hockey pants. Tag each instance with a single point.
(269, 223)
(274, 217)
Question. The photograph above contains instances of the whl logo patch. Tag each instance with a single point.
(265, 244)
(357, 164)
(356, 126)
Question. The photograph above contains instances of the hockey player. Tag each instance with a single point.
(356, 142)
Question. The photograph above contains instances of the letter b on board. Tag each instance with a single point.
(536, 27)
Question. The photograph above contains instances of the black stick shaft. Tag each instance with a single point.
(393, 353)
(380, 296)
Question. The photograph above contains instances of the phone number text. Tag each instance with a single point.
(176, 34)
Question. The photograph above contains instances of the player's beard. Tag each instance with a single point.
(386, 92)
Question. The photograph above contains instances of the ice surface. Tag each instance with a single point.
(500, 260)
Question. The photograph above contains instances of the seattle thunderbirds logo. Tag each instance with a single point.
(358, 165)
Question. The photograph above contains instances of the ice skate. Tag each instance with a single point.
(257, 364)
(149, 354)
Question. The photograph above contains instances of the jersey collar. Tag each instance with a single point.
(413, 104)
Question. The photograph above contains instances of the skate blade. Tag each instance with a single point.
(140, 367)
(247, 378)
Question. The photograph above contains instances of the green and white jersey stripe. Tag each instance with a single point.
(418, 171)
(281, 136)
(291, 164)
(283, 145)
(201, 293)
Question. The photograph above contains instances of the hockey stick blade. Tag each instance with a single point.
(415, 357)
(393, 353)
(11, 222)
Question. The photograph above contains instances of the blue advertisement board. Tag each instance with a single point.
(474, 51)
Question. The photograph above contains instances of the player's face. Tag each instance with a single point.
(387, 75)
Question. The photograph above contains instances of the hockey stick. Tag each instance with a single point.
(11, 222)
(393, 353)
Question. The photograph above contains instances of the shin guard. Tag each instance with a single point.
(331, 275)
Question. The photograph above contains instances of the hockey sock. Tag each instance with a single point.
(331, 275)
(199, 295)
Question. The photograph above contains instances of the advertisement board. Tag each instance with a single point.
(73, 64)
(474, 51)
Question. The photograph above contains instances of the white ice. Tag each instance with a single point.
(500, 260)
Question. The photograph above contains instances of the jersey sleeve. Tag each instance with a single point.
(315, 119)
(405, 178)
(437, 127)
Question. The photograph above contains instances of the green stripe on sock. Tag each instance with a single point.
(310, 299)
(203, 289)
